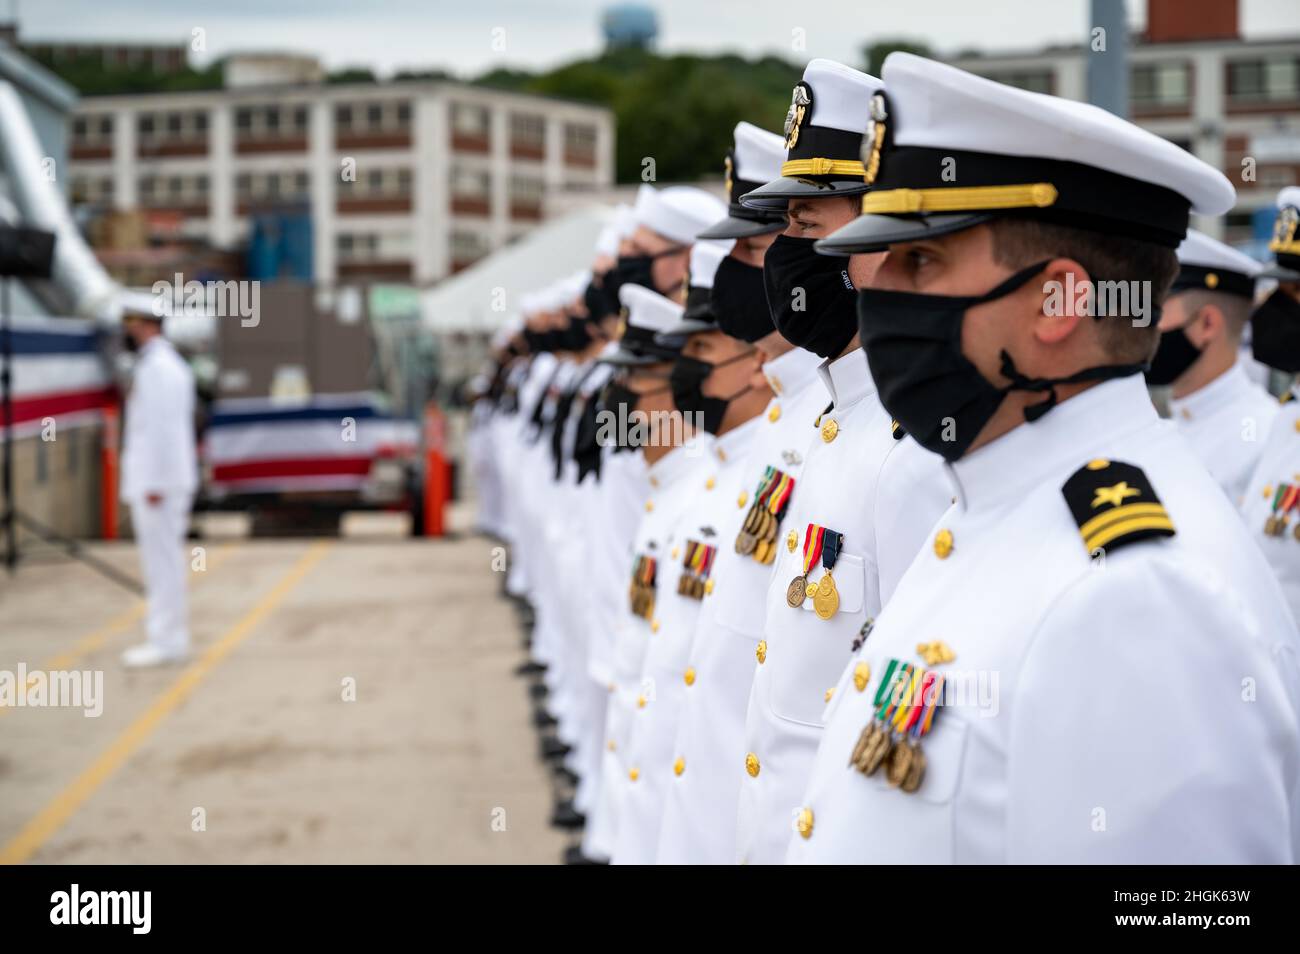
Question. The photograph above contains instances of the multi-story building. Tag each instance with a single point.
(408, 181)
(1233, 102)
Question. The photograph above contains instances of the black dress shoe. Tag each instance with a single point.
(538, 691)
(553, 748)
(566, 816)
(573, 856)
(543, 719)
(529, 668)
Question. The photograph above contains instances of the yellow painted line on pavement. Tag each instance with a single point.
(114, 627)
(56, 814)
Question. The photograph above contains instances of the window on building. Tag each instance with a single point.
(469, 183)
(92, 131)
(343, 117)
(404, 114)
(144, 125)
(526, 190)
(579, 138)
(174, 122)
(469, 120)
(1275, 79)
(1161, 84)
(243, 119)
(527, 129)
(467, 246)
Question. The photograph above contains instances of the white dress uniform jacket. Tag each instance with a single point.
(883, 494)
(674, 483)
(699, 824)
(1226, 423)
(158, 452)
(1266, 496)
(1133, 706)
(653, 731)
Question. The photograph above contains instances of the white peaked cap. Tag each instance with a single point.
(706, 256)
(530, 303)
(607, 241)
(1201, 250)
(941, 106)
(841, 95)
(573, 286)
(1289, 198)
(758, 154)
(678, 213)
(648, 309)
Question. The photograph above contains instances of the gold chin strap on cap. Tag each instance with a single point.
(1036, 195)
(794, 168)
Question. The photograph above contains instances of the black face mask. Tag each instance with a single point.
(632, 270)
(1174, 355)
(575, 336)
(810, 296)
(913, 345)
(1275, 332)
(739, 301)
(687, 382)
(594, 299)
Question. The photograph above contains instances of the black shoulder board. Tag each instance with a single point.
(897, 430)
(1114, 505)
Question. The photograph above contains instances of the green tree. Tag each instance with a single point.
(873, 54)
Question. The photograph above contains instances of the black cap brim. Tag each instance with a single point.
(875, 233)
(733, 227)
(1280, 272)
(774, 196)
(630, 359)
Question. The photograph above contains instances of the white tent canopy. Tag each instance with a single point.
(486, 295)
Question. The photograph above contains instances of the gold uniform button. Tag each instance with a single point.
(640, 702)
(649, 505)
(710, 484)
(1211, 280)
(611, 687)
(634, 774)
(679, 766)
(751, 765)
(1297, 423)
(611, 745)
(774, 413)
(805, 822)
(829, 693)
(1100, 463)
(689, 676)
(943, 544)
(792, 540)
(761, 651)
(742, 500)
(1268, 491)
(861, 676)
(654, 625)
(675, 552)
(708, 587)
(829, 430)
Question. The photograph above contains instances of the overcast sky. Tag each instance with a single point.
(458, 35)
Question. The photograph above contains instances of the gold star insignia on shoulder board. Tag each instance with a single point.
(1115, 505)
(1114, 495)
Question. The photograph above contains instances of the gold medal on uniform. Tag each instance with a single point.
(826, 599)
(796, 592)
(696, 566)
(642, 591)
